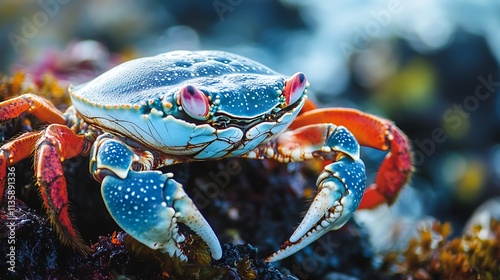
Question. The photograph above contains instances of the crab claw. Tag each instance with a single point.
(340, 188)
(148, 205)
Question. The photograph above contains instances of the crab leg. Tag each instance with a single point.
(21, 148)
(148, 205)
(35, 105)
(378, 133)
(13, 152)
(340, 185)
(56, 144)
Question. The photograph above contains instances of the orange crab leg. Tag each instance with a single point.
(53, 145)
(308, 106)
(35, 105)
(56, 144)
(22, 147)
(13, 152)
(375, 132)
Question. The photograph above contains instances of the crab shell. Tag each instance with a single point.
(141, 101)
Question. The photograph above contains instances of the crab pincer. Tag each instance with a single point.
(341, 185)
(148, 205)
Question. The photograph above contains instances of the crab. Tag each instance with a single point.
(187, 106)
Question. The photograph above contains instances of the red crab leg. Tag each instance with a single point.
(52, 146)
(56, 144)
(13, 152)
(21, 148)
(375, 132)
(35, 105)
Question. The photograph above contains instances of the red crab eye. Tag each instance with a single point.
(294, 87)
(194, 102)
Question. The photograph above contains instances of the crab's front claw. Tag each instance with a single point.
(148, 205)
(340, 188)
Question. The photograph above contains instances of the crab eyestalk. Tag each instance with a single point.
(194, 102)
(295, 87)
(148, 205)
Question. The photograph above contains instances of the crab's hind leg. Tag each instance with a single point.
(148, 205)
(13, 152)
(38, 106)
(22, 147)
(378, 133)
(56, 144)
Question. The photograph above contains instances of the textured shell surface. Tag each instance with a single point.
(244, 87)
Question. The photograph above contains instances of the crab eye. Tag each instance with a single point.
(194, 102)
(294, 87)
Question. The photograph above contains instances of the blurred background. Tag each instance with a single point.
(430, 66)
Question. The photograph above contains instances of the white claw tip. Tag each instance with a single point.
(217, 253)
